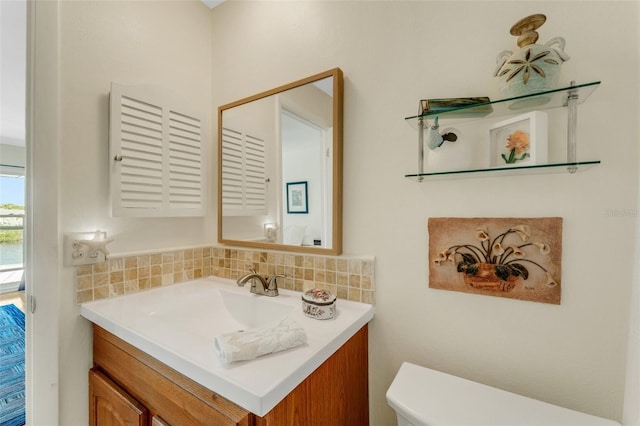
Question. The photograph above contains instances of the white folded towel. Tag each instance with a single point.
(254, 342)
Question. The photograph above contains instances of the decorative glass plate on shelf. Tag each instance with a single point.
(544, 100)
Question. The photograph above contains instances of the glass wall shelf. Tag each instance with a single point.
(510, 106)
(506, 171)
(568, 97)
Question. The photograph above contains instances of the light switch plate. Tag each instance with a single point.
(78, 254)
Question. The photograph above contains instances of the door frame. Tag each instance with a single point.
(42, 260)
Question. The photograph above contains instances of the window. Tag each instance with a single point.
(11, 232)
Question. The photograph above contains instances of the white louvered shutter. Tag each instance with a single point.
(243, 174)
(155, 153)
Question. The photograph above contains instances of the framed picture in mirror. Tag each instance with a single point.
(297, 199)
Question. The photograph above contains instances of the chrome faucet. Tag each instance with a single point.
(261, 284)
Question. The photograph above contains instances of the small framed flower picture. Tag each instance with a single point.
(519, 141)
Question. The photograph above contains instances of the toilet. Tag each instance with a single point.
(424, 397)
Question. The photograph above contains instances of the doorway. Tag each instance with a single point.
(13, 76)
(305, 157)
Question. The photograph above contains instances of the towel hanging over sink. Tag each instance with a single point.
(254, 342)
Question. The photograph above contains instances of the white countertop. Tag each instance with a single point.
(177, 325)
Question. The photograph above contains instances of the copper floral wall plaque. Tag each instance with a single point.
(517, 258)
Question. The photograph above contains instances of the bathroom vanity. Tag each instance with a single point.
(154, 360)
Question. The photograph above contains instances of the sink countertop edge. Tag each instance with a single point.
(290, 383)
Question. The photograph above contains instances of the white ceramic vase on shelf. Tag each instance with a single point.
(535, 67)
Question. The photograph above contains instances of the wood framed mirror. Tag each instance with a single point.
(280, 167)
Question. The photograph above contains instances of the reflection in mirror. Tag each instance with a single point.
(280, 167)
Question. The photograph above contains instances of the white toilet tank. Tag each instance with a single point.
(424, 397)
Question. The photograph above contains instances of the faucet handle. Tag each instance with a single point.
(273, 280)
(280, 276)
(250, 276)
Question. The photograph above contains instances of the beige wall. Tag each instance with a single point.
(129, 42)
(393, 54)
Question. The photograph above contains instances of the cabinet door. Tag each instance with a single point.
(110, 405)
(157, 168)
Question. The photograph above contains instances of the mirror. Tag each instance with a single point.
(280, 167)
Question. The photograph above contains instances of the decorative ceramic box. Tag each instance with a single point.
(319, 304)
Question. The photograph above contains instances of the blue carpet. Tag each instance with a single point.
(12, 400)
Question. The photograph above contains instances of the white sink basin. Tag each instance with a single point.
(213, 310)
(252, 310)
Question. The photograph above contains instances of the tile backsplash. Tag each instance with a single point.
(348, 277)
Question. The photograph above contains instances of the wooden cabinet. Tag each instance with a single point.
(156, 153)
(168, 395)
(335, 394)
(109, 405)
